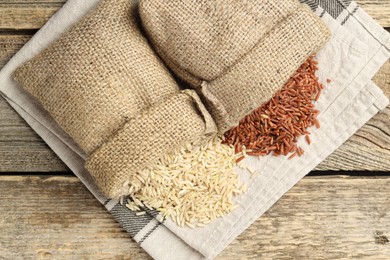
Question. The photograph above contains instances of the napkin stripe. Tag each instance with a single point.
(153, 213)
(334, 8)
(311, 3)
(150, 232)
(349, 15)
(322, 13)
(128, 219)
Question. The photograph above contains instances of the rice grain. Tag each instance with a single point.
(192, 186)
(276, 125)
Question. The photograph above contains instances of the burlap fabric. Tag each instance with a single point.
(105, 86)
(147, 137)
(98, 74)
(235, 53)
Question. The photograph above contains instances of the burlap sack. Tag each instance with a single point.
(104, 85)
(236, 53)
(98, 74)
(156, 132)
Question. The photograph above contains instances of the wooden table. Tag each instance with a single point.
(46, 212)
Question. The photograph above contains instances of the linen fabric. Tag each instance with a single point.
(165, 240)
(350, 65)
(236, 53)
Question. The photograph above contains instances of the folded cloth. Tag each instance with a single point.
(359, 110)
(283, 173)
(236, 53)
(97, 79)
(162, 240)
(344, 60)
(377, 53)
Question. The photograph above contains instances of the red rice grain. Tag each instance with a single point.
(308, 140)
(275, 126)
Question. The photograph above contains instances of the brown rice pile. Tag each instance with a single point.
(275, 126)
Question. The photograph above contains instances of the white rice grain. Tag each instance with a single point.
(193, 186)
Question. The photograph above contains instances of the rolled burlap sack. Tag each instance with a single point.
(157, 131)
(236, 53)
(98, 74)
(105, 86)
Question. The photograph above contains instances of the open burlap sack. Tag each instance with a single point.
(236, 53)
(105, 86)
(156, 131)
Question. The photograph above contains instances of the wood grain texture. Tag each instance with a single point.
(56, 217)
(367, 150)
(21, 149)
(9, 45)
(382, 78)
(320, 218)
(378, 9)
(26, 14)
(32, 14)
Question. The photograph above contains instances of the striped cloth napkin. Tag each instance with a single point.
(348, 102)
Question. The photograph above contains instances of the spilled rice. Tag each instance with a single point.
(275, 126)
(193, 187)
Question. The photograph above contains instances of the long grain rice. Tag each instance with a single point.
(195, 185)
(276, 125)
(192, 186)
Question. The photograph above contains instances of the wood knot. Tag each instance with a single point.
(380, 238)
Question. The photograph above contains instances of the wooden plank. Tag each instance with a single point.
(9, 45)
(21, 148)
(57, 217)
(382, 78)
(368, 149)
(29, 157)
(32, 14)
(378, 9)
(26, 14)
(320, 218)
